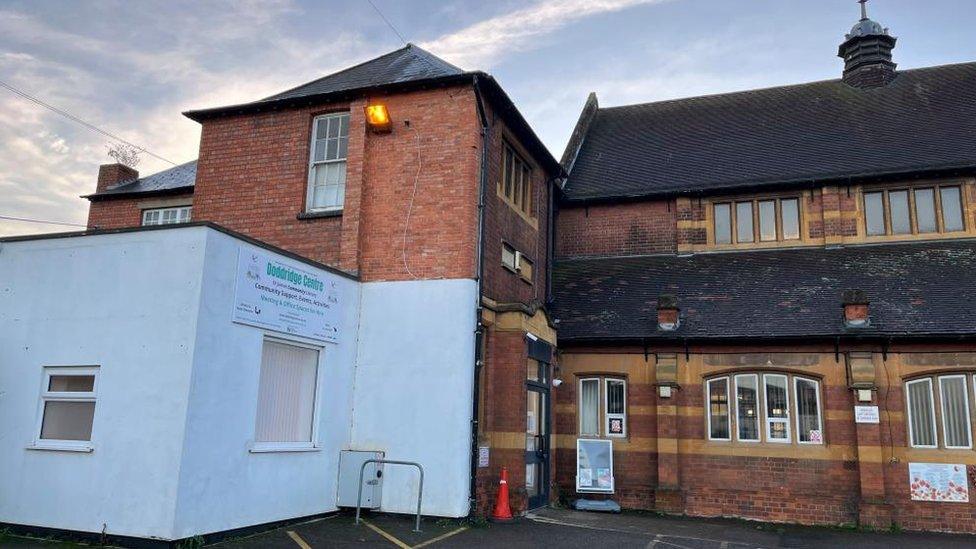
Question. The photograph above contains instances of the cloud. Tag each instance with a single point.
(485, 42)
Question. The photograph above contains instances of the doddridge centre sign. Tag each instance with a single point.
(286, 298)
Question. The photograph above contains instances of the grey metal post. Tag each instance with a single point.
(420, 491)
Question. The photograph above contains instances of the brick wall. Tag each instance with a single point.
(117, 213)
(616, 229)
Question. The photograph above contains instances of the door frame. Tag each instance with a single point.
(541, 352)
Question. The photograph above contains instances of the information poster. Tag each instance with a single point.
(594, 465)
(939, 482)
(866, 414)
(285, 297)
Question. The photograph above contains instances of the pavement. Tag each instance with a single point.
(564, 528)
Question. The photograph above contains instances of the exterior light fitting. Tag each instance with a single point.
(378, 118)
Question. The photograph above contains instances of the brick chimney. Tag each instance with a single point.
(668, 318)
(856, 309)
(110, 175)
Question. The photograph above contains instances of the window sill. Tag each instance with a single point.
(319, 215)
(267, 448)
(84, 447)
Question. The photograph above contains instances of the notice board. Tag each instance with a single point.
(594, 465)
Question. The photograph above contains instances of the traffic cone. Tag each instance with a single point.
(502, 512)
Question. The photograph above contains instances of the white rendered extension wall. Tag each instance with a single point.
(413, 390)
(177, 389)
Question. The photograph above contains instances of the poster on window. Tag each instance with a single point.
(285, 297)
(939, 482)
(594, 465)
(616, 426)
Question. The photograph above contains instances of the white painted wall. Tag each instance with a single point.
(128, 303)
(222, 485)
(414, 387)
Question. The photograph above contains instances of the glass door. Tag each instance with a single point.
(537, 434)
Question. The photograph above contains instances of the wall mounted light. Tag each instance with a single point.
(378, 118)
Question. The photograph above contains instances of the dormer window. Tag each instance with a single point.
(327, 164)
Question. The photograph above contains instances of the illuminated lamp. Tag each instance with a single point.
(378, 118)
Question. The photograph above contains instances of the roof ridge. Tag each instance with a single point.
(776, 87)
(430, 58)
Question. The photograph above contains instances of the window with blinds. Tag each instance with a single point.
(940, 401)
(603, 407)
(286, 396)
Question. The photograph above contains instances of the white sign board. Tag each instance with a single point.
(285, 297)
(866, 414)
(484, 454)
(594, 465)
(939, 482)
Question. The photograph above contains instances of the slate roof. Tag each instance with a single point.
(177, 179)
(924, 120)
(406, 64)
(918, 289)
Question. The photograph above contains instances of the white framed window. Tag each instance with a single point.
(921, 413)
(67, 408)
(747, 407)
(956, 422)
(167, 216)
(717, 399)
(287, 397)
(603, 406)
(776, 391)
(327, 163)
(615, 404)
(809, 422)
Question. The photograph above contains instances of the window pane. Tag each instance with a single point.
(319, 154)
(790, 210)
(808, 411)
(532, 370)
(767, 220)
(925, 210)
(777, 407)
(333, 126)
(718, 409)
(589, 407)
(900, 221)
(534, 408)
(344, 125)
(286, 393)
(67, 420)
(71, 384)
(321, 127)
(507, 168)
(951, 209)
(955, 411)
(874, 213)
(747, 406)
(332, 149)
(920, 414)
(723, 224)
(615, 396)
(743, 222)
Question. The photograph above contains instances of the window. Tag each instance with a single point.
(920, 210)
(718, 409)
(614, 407)
(67, 408)
(508, 257)
(766, 220)
(940, 401)
(327, 167)
(166, 216)
(763, 408)
(723, 224)
(516, 182)
(286, 397)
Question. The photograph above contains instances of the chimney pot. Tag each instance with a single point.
(855, 304)
(668, 313)
(110, 175)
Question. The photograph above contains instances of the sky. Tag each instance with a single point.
(132, 68)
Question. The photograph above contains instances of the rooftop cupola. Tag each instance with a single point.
(867, 53)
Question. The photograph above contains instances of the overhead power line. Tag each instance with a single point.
(387, 21)
(45, 221)
(84, 123)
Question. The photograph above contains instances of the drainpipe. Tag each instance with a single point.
(479, 334)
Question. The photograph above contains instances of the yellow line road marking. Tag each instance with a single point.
(298, 539)
(440, 537)
(388, 537)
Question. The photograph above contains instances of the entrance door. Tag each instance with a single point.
(537, 433)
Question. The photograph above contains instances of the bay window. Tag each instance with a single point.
(764, 408)
(939, 414)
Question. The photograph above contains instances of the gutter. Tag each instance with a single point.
(479, 333)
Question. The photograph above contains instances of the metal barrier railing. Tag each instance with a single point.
(420, 492)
